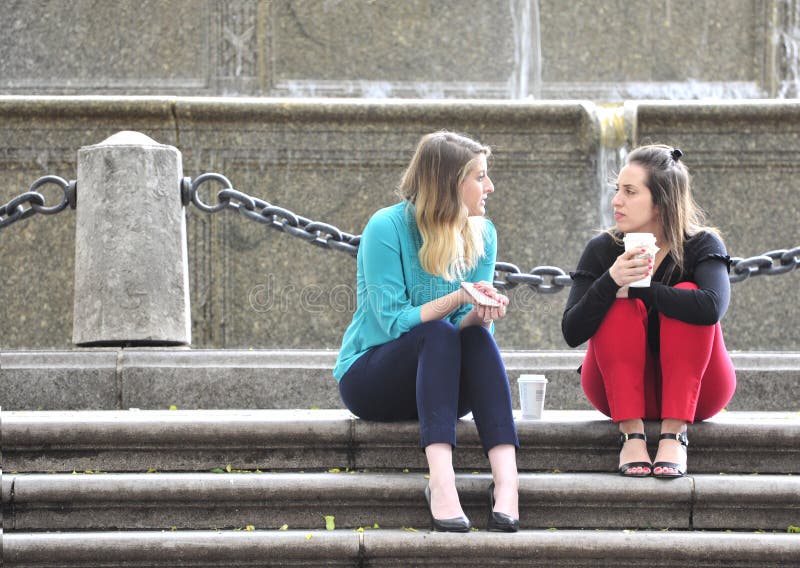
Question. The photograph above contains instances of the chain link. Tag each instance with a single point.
(542, 279)
(317, 233)
(31, 202)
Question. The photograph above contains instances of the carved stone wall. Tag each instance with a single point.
(605, 50)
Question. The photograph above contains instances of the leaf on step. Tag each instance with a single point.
(552, 529)
(334, 470)
(315, 408)
(376, 526)
(476, 473)
(284, 528)
(173, 407)
(360, 529)
(793, 529)
(308, 536)
(329, 523)
(250, 528)
(556, 471)
(151, 470)
(173, 528)
(410, 529)
(228, 468)
(217, 470)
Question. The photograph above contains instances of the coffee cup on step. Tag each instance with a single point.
(531, 395)
(637, 242)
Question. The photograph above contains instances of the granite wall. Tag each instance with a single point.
(605, 50)
(338, 160)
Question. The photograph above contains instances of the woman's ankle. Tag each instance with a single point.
(632, 426)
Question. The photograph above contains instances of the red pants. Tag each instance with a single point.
(693, 380)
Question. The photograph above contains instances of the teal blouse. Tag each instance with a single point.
(392, 286)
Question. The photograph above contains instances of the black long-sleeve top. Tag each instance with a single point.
(706, 263)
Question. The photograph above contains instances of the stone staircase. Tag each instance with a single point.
(259, 487)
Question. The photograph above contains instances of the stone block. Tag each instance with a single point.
(131, 270)
(737, 155)
(176, 440)
(65, 380)
(84, 47)
(41, 136)
(770, 502)
(566, 548)
(192, 548)
(228, 379)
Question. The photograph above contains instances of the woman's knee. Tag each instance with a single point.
(476, 334)
(437, 328)
(624, 312)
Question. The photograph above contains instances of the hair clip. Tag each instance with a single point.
(676, 154)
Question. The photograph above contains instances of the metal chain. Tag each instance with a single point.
(320, 234)
(542, 279)
(31, 202)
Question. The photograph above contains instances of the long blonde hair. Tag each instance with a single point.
(452, 241)
(669, 183)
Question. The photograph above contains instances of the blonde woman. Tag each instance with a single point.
(419, 346)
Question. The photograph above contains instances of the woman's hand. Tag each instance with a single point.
(627, 268)
(488, 314)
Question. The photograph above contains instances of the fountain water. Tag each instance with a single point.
(526, 77)
(610, 156)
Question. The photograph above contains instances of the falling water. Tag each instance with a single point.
(787, 37)
(610, 157)
(526, 77)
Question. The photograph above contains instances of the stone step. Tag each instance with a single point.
(152, 378)
(396, 548)
(317, 440)
(62, 502)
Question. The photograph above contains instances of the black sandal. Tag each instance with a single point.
(679, 468)
(626, 466)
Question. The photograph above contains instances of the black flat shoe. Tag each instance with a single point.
(678, 467)
(500, 522)
(623, 469)
(457, 524)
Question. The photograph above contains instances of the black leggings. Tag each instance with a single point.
(435, 373)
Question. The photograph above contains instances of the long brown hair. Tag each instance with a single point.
(669, 183)
(452, 241)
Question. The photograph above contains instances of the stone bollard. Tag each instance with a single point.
(131, 268)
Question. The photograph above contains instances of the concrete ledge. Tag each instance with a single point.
(401, 548)
(291, 440)
(737, 502)
(40, 502)
(268, 501)
(109, 379)
(201, 548)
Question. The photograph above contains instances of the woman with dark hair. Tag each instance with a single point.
(419, 346)
(657, 352)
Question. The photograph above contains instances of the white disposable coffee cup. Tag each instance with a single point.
(638, 241)
(531, 395)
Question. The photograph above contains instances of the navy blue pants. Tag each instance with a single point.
(435, 373)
